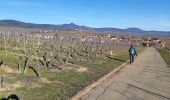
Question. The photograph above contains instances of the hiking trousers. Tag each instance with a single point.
(131, 59)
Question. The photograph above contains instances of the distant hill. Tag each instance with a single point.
(74, 27)
(14, 23)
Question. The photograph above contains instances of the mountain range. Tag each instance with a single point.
(74, 27)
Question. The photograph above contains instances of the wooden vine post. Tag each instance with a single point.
(2, 78)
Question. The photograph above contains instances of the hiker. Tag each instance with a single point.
(132, 53)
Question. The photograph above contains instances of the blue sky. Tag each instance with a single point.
(144, 14)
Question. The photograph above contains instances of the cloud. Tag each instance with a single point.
(72, 19)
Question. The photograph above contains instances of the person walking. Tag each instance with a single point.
(132, 53)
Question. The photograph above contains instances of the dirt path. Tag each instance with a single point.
(147, 79)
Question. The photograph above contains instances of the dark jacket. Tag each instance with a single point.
(132, 51)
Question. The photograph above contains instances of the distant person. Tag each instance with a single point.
(132, 53)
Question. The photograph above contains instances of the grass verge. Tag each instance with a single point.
(165, 55)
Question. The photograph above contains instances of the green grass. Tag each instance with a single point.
(64, 84)
(9, 60)
(165, 55)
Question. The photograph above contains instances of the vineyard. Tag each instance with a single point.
(52, 66)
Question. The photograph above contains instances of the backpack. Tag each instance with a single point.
(132, 51)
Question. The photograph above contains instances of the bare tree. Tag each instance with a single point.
(38, 65)
(2, 79)
(19, 63)
(24, 45)
(5, 42)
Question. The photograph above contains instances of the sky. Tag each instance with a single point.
(144, 14)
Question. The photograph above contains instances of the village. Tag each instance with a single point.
(156, 41)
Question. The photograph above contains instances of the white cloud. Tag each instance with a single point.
(72, 19)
